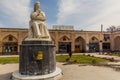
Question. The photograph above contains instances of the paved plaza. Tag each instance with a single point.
(70, 72)
(73, 71)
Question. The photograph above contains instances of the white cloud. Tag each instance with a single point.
(14, 12)
(89, 14)
(2, 25)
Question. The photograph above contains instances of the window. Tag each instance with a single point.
(10, 38)
(64, 39)
(93, 38)
(106, 37)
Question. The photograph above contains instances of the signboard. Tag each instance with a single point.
(39, 55)
(63, 27)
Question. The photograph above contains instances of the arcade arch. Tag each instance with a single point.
(93, 45)
(64, 44)
(80, 44)
(9, 45)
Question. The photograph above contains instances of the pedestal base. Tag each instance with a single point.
(56, 75)
(37, 58)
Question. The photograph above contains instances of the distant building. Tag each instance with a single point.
(65, 40)
(62, 27)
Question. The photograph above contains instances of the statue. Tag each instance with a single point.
(38, 29)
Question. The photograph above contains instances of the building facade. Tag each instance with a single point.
(11, 39)
(65, 40)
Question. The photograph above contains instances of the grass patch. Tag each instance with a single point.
(114, 54)
(81, 59)
(6, 60)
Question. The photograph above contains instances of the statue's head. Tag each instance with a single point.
(36, 6)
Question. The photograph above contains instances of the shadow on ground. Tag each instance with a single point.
(6, 76)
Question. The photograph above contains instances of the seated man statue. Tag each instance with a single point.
(38, 29)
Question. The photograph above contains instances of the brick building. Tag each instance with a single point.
(65, 40)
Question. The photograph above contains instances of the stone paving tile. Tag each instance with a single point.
(70, 72)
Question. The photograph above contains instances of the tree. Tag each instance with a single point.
(112, 29)
(118, 28)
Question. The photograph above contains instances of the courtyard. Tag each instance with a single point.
(72, 71)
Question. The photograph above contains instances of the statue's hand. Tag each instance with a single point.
(38, 11)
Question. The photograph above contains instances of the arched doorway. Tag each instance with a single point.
(64, 45)
(117, 43)
(80, 45)
(93, 45)
(10, 45)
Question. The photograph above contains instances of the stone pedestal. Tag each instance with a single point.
(37, 58)
(37, 61)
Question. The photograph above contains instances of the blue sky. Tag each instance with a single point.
(82, 14)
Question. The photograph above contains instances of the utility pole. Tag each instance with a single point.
(101, 27)
(100, 43)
